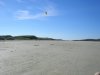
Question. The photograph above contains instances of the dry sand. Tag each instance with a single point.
(49, 58)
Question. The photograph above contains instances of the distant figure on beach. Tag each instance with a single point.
(97, 73)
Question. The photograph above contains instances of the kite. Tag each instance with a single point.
(46, 13)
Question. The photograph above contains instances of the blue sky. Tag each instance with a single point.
(65, 19)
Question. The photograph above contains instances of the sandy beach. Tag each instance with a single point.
(49, 57)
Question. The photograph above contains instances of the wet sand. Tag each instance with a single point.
(49, 57)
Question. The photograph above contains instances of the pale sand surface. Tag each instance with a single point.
(49, 58)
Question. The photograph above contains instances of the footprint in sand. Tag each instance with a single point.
(36, 45)
(51, 44)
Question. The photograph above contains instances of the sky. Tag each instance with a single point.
(65, 19)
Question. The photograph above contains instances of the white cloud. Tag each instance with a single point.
(25, 14)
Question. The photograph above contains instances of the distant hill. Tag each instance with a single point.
(6, 37)
(88, 40)
(23, 37)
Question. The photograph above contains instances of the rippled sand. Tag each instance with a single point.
(49, 58)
